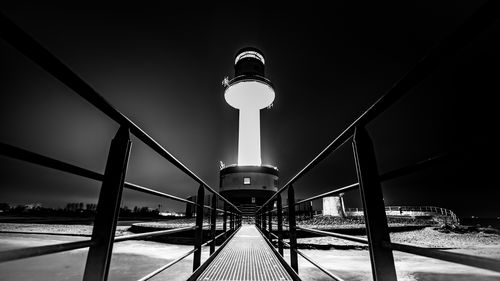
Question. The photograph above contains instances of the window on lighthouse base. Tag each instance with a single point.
(246, 181)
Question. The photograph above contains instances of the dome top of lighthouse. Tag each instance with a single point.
(249, 61)
(249, 52)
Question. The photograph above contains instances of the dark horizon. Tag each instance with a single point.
(162, 66)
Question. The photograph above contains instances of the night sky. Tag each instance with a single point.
(162, 66)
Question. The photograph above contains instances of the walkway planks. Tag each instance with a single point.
(247, 257)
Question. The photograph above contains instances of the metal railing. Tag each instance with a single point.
(113, 180)
(411, 210)
(369, 180)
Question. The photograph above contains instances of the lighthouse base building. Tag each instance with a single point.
(248, 187)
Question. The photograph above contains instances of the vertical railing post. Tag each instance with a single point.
(292, 229)
(213, 221)
(198, 236)
(264, 219)
(382, 260)
(224, 221)
(256, 219)
(270, 221)
(279, 214)
(311, 214)
(108, 207)
(261, 219)
(231, 220)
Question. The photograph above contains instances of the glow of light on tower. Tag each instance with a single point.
(249, 96)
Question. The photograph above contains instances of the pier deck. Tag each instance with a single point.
(246, 257)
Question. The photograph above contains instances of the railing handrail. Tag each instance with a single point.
(426, 209)
(43, 58)
(483, 17)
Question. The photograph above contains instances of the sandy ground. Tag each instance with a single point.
(427, 237)
(355, 265)
(131, 259)
(79, 230)
(134, 259)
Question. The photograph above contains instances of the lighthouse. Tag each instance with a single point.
(248, 184)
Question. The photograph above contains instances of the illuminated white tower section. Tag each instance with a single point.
(249, 91)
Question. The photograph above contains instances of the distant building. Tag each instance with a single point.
(80, 206)
(91, 207)
(32, 206)
(334, 206)
(304, 209)
(4, 207)
(171, 214)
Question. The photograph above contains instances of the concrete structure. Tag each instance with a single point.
(334, 206)
(249, 183)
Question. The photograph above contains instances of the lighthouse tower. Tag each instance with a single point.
(249, 184)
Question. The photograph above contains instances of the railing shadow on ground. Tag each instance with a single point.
(369, 181)
(113, 180)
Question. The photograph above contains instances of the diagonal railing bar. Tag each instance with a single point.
(35, 158)
(475, 261)
(25, 44)
(22, 253)
(338, 190)
(326, 271)
(143, 189)
(161, 269)
(215, 239)
(421, 165)
(334, 234)
(152, 233)
(31, 157)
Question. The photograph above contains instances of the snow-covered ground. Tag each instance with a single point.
(134, 259)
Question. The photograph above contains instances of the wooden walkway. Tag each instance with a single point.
(246, 257)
